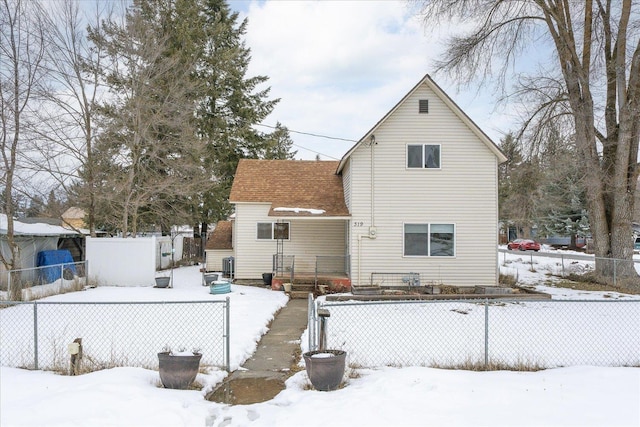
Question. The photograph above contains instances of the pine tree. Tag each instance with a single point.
(149, 154)
(230, 106)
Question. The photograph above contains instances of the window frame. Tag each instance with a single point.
(429, 238)
(422, 156)
(273, 228)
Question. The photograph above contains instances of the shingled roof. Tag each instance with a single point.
(221, 236)
(295, 188)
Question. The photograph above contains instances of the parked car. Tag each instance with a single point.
(524, 245)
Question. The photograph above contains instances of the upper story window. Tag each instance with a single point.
(423, 156)
(273, 230)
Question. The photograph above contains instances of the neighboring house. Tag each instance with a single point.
(417, 194)
(74, 218)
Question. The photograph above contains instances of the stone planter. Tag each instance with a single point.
(325, 368)
(178, 371)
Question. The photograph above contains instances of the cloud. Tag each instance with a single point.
(337, 66)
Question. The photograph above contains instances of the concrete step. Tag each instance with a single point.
(299, 294)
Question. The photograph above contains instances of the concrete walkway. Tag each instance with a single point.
(276, 358)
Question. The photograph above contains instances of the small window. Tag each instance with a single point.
(273, 230)
(423, 156)
(423, 106)
(429, 240)
(264, 231)
(281, 230)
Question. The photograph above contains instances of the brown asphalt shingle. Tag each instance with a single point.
(299, 184)
(221, 236)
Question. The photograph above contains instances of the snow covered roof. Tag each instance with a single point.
(37, 229)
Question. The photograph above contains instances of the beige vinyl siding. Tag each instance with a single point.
(253, 257)
(346, 185)
(214, 258)
(463, 192)
(308, 237)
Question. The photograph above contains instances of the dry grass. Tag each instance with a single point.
(507, 280)
(480, 366)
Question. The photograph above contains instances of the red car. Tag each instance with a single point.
(524, 245)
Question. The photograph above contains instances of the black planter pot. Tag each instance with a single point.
(178, 371)
(325, 368)
(267, 278)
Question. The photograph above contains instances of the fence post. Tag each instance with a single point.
(35, 334)
(486, 332)
(310, 322)
(615, 270)
(532, 261)
(228, 335)
(562, 261)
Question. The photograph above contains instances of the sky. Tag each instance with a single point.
(339, 66)
(385, 396)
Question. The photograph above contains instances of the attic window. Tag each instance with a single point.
(423, 106)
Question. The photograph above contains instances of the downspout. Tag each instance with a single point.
(372, 142)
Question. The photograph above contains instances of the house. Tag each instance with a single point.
(416, 194)
(74, 218)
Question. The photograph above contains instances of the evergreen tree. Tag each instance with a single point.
(563, 208)
(149, 154)
(518, 189)
(230, 106)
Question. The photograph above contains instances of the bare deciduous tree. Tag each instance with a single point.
(593, 75)
(22, 47)
(68, 125)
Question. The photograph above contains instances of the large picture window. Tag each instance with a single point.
(273, 230)
(429, 240)
(423, 156)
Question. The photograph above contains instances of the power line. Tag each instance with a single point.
(311, 134)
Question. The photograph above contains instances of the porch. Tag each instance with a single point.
(330, 275)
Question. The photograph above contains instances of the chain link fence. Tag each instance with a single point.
(564, 265)
(540, 334)
(36, 335)
(38, 282)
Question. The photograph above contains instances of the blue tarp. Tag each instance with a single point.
(57, 257)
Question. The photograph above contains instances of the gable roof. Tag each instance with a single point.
(450, 103)
(294, 188)
(221, 238)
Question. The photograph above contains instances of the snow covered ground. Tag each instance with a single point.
(577, 396)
